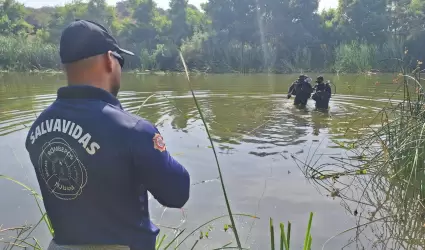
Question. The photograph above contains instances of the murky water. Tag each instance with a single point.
(256, 129)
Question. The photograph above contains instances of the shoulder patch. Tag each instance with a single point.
(158, 142)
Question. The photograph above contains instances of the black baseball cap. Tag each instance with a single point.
(82, 39)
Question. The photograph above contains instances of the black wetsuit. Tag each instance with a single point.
(302, 91)
(322, 95)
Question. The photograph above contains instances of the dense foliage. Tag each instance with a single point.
(227, 35)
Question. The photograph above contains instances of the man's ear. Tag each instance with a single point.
(109, 61)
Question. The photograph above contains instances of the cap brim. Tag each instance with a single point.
(124, 51)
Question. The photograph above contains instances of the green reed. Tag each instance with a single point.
(229, 210)
(37, 198)
(307, 242)
(24, 233)
(18, 241)
(285, 238)
(361, 57)
(23, 54)
(386, 170)
(160, 239)
(399, 151)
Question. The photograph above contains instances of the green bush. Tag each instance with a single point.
(21, 54)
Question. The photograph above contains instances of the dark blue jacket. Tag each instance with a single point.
(95, 163)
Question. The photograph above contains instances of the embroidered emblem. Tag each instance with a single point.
(158, 142)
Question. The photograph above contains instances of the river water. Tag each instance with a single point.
(259, 136)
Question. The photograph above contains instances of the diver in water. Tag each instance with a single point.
(302, 90)
(322, 93)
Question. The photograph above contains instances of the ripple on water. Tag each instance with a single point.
(284, 123)
(260, 128)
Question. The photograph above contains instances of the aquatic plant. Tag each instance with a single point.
(382, 180)
(285, 238)
(24, 238)
(229, 210)
(22, 54)
(354, 57)
(361, 57)
(19, 240)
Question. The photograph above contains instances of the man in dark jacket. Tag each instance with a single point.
(302, 90)
(322, 93)
(94, 161)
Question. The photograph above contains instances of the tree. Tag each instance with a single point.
(237, 35)
(12, 20)
(99, 11)
(179, 26)
(363, 19)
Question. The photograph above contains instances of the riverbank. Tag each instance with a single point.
(193, 72)
(33, 54)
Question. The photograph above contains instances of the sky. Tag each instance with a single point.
(161, 3)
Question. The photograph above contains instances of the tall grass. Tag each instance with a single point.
(399, 156)
(24, 233)
(384, 176)
(301, 59)
(214, 53)
(360, 57)
(23, 54)
(285, 238)
(355, 57)
(223, 186)
(209, 53)
(23, 238)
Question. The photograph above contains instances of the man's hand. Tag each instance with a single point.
(289, 96)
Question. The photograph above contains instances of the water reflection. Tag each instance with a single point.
(320, 120)
(233, 105)
(254, 126)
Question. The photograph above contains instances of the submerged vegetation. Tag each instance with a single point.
(225, 35)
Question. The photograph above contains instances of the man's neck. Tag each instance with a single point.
(75, 82)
